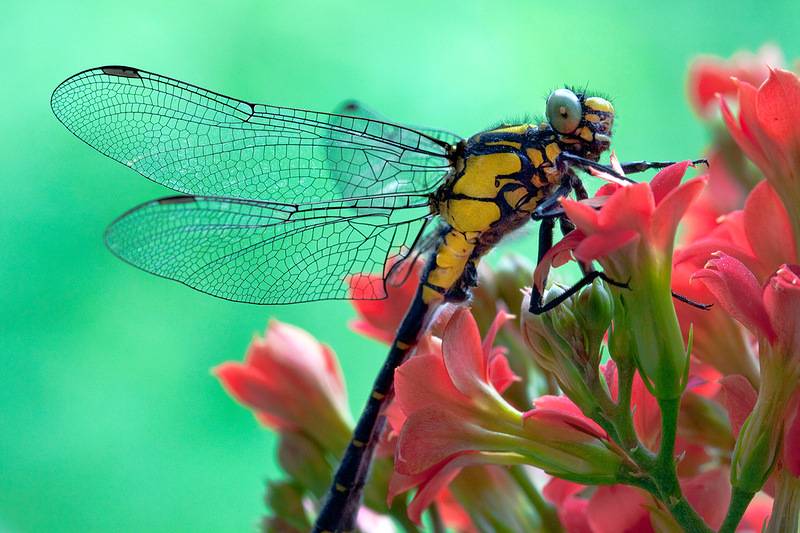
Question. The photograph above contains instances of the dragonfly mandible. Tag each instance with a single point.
(281, 205)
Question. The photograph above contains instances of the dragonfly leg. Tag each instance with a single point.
(640, 166)
(582, 161)
(550, 207)
(545, 243)
(537, 307)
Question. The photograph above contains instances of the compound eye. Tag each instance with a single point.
(564, 110)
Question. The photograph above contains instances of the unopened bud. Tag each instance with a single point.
(703, 420)
(304, 461)
(621, 344)
(513, 272)
(552, 338)
(484, 298)
(594, 309)
(285, 500)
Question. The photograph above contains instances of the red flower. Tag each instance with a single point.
(709, 76)
(760, 236)
(634, 216)
(772, 313)
(456, 417)
(632, 236)
(767, 131)
(379, 319)
(442, 394)
(791, 436)
(726, 192)
(292, 383)
(615, 508)
(739, 398)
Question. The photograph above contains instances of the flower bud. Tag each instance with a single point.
(594, 308)
(285, 500)
(569, 445)
(704, 421)
(552, 338)
(492, 496)
(484, 298)
(304, 461)
(621, 345)
(512, 273)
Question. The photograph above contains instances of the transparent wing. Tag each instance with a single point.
(267, 253)
(200, 142)
(357, 109)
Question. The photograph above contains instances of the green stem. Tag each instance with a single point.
(623, 418)
(740, 499)
(548, 514)
(665, 475)
(665, 461)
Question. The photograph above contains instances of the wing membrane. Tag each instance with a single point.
(196, 141)
(357, 109)
(267, 253)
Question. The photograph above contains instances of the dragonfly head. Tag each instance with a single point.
(583, 123)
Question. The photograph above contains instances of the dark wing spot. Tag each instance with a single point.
(122, 72)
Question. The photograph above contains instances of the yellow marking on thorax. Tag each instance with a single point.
(551, 151)
(519, 128)
(470, 215)
(586, 134)
(536, 157)
(479, 179)
(512, 198)
(591, 117)
(512, 144)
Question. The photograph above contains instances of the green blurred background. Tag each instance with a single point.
(109, 418)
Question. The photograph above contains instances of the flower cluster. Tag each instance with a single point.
(663, 395)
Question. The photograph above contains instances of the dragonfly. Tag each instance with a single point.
(281, 205)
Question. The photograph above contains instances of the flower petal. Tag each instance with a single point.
(705, 492)
(557, 490)
(667, 180)
(423, 381)
(619, 508)
(778, 103)
(498, 322)
(558, 255)
(437, 481)
(463, 354)
(739, 130)
(738, 397)
(737, 290)
(602, 244)
(768, 227)
(432, 435)
(501, 376)
(628, 208)
(584, 217)
(782, 300)
(791, 436)
(671, 209)
(248, 386)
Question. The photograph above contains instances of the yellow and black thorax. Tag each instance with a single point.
(498, 179)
